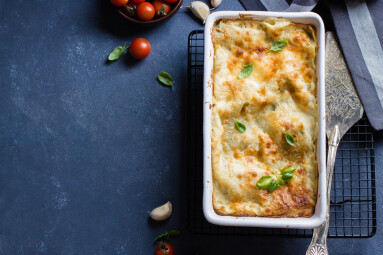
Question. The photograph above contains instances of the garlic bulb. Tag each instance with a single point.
(200, 10)
(215, 3)
(162, 212)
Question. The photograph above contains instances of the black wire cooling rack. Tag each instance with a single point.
(353, 205)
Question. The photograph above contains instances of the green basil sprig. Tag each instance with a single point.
(267, 182)
(165, 79)
(287, 173)
(246, 71)
(167, 235)
(272, 186)
(264, 182)
(240, 126)
(289, 139)
(279, 45)
(117, 52)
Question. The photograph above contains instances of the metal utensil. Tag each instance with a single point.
(343, 110)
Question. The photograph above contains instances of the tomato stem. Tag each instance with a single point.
(163, 247)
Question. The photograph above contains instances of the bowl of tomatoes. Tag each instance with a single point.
(147, 12)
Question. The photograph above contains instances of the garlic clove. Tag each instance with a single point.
(162, 212)
(200, 10)
(215, 3)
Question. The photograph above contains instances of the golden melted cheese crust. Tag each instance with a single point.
(279, 96)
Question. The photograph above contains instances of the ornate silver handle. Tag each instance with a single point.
(318, 245)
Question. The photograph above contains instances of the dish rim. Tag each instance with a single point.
(269, 222)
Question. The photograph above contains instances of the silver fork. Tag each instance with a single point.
(343, 110)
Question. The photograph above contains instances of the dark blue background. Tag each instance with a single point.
(88, 148)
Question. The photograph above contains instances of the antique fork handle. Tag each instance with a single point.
(318, 245)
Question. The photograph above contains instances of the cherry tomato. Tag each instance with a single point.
(138, 1)
(164, 248)
(145, 11)
(119, 2)
(171, 1)
(158, 5)
(139, 48)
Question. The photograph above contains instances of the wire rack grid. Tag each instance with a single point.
(353, 201)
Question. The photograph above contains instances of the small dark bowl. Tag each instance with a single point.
(175, 7)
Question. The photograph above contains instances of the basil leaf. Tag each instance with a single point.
(279, 45)
(289, 139)
(246, 71)
(165, 79)
(280, 182)
(287, 176)
(167, 235)
(160, 237)
(174, 233)
(264, 182)
(288, 170)
(240, 126)
(117, 52)
(272, 185)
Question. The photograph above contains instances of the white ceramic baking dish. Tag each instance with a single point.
(321, 207)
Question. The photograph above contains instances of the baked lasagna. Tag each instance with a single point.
(264, 118)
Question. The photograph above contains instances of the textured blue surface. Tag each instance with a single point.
(88, 148)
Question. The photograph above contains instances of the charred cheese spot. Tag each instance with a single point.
(239, 52)
(278, 96)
